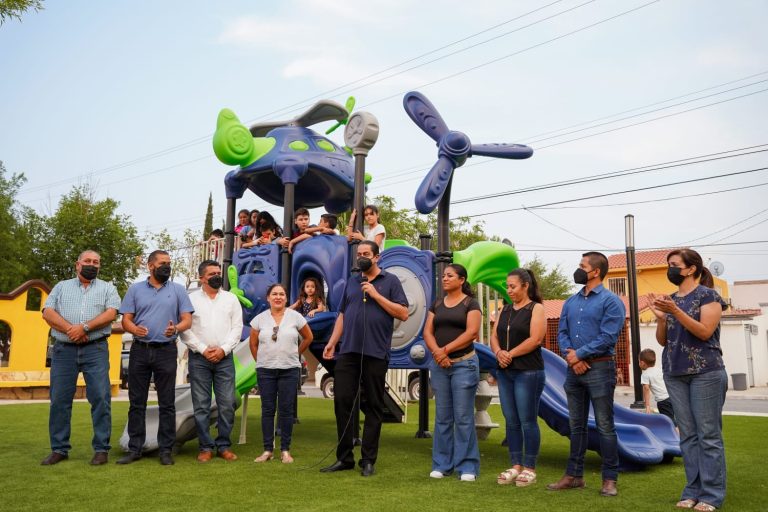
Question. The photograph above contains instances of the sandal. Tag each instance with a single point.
(507, 477)
(264, 457)
(704, 507)
(285, 457)
(689, 503)
(525, 478)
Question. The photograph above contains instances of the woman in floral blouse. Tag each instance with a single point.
(688, 328)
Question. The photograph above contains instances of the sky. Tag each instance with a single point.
(124, 96)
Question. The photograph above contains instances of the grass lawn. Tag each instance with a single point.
(401, 483)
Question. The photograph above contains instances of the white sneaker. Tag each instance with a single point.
(467, 477)
(436, 474)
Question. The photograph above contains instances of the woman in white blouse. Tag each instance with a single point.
(278, 336)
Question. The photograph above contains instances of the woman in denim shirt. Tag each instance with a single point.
(688, 327)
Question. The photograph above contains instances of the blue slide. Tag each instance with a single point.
(643, 438)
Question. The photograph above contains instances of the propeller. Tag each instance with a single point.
(453, 149)
(349, 105)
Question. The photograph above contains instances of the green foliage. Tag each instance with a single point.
(553, 282)
(15, 246)
(82, 222)
(184, 251)
(208, 226)
(15, 8)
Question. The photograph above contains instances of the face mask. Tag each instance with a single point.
(580, 276)
(89, 272)
(673, 274)
(215, 282)
(364, 264)
(162, 273)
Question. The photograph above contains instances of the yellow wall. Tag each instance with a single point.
(29, 342)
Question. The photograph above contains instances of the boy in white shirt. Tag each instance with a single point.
(653, 383)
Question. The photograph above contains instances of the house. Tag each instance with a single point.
(750, 294)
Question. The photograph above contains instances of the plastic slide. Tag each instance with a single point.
(643, 438)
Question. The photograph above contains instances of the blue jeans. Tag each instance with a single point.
(698, 404)
(596, 386)
(519, 393)
(277, 388)
(454, 445)
(67, 360)
(205, 376)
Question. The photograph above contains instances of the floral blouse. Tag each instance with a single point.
(685, 354)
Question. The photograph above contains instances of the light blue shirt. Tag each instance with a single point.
(78, 304)
(590, 323)
(154, 307)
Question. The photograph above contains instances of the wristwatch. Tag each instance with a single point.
(86, 327)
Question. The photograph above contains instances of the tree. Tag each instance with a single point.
(184, 252)
(208, 226)
(15, 8)
(15, 245)
(81, 222)
(553, 283)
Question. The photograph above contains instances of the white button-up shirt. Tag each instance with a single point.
(216, 322)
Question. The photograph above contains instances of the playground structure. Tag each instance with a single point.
(287, 164)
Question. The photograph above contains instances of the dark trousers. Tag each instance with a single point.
(277, 388)
(205, 378)
(148, 360)
(355, 372)
(665, 408)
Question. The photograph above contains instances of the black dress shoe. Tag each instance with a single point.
(129, 458)
(338, 466)
(166, 459)
(99, 458)
(367, 469)
(54, 458)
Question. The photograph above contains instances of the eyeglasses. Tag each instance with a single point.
(274, 332)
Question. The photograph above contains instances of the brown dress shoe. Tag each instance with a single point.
(567, 482)
(204, 456)
(609, 488)
(227, 455)
(54, 458)
(99, 458)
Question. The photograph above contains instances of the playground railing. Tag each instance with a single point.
(397, 386)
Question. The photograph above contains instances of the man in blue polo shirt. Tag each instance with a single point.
(80, 312)
(155, 311)
(365, 324)
(590, 324)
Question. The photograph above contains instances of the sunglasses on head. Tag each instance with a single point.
(274, 332)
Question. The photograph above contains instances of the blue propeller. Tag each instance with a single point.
(453, 149)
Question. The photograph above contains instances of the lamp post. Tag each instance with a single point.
(634, 315)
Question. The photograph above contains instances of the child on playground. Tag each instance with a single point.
(268, 236)
(372, 230)
(326, 226)
(653, 384)
(311, 298)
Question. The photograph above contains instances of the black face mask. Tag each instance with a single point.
(364, 264)
(89, 272)
(674, 276)
(580, 276)
(215, 282)
(162, 273)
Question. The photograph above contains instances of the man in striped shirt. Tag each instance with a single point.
(80, 312)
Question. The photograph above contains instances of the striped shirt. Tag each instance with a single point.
(78, 304)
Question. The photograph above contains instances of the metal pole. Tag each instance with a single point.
(288, 203)
(443, 235)
(229, 239)
(423, 431)
(634, 315)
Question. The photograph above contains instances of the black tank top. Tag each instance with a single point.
(514, 327)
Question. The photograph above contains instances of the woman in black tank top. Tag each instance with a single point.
(451, 327)
(516, 341)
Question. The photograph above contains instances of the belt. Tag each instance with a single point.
(89, 342)
(599, 359)
(152, 343)
(464, 357)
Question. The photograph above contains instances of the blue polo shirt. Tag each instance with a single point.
(78, 304)
(591, 322)
(374, 337)
(154, 307)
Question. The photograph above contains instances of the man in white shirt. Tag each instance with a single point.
(217, 324)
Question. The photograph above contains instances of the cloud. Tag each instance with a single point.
(269, 33)
(729, 56)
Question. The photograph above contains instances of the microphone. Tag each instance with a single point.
(364, 279)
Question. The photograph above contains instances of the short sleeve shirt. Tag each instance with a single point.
(450, 323)
(684, 353)
(655, 380)
(370, 234)
(367, 327)
(154, 307)
(78, 304)
(283, 353)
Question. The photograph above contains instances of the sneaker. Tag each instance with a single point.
(467, 477)
(436, 474)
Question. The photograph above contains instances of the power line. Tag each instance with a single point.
(583, 249)
(742, 230)
(725, 228)
(561, 228)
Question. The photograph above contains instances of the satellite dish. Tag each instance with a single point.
(717, 268)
